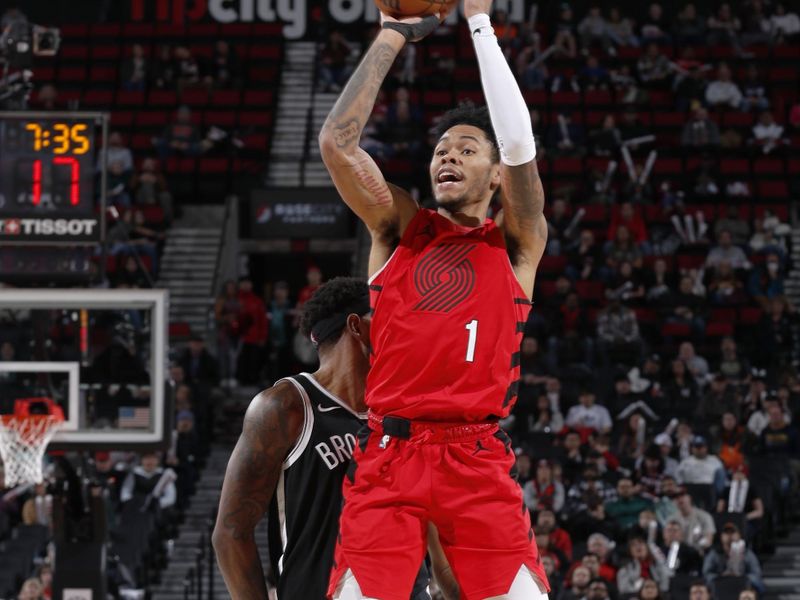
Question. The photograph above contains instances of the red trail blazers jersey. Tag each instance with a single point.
(447, 324)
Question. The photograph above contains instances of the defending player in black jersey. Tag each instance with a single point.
(293, 454)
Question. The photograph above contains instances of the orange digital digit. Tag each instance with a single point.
(78, 137)
(62, 138)
(37, 135)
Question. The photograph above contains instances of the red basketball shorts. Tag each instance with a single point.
(460, 478)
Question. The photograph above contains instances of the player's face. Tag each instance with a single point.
(462, 168)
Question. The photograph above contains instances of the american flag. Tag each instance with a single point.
(134, 417)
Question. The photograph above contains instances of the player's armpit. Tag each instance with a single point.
(441, 567)
(271, 428)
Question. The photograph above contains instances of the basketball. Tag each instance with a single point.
(415, 8)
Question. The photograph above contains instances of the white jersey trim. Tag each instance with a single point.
(338, 401)
(308, 425)
(386, 264)
(280, 495)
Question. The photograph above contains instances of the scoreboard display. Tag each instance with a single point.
(49, 190)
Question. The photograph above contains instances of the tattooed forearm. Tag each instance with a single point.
(350, 113)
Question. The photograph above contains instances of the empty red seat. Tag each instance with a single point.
(121, 118)
(220, 118)
(675, 330)
(105, 52)
(162, 98)
(552, 264)
(719, 329)
(645, 315)
(227, 98)
(261, 118)
(567, 165)
(772, 189)
(560, 100)
(737, 119)
(72, 74)
(256, 98)
(690, 261)
(153, 215)
(668, 166)
(669, 119)
(734, 166)
(99, 98)
(768, 166)
(437, 98)
(110, 30)
(265, 52)
(195, 97)
(103, 74)
(597, 97)
(594, 213)
(545, 287)
(74, 52)
(125, 98)
(592, 291)
(474, 96)
(138, 30)
(535, 98)
(180, 329)
(749, 315)
(151, 118)
(723, 315)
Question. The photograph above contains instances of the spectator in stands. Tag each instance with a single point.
(117, 191)
(688, 308)
(45, 575)
(532, 71)
(32, 589)
(618, 334)
(164, 70)
(149, 188)
(696, 364)
(593, 29)
(724, 27)
(181, 137)
(626, 284)
(333, 66)
(623, 248)
(732, 557)
(565, 32)
(666, 507)
(698, 526)
(589, 486)
(701, 467)
(690, 88)
(629, 503)
(642, 564)
(587, 414)
(565, 137)
(700, 131)
(578, 584)
(593, 521)
(593, 75)
(720, 398)
(723, 92)
(733, 366)
(223, 71)
(740, 497)
(784, 26)
(724, 286)
(767, 134)
(38, 509)
(734, 224)
(187, 69)
(687, 559)
(543, 492)
(281, 314)
(689, 28)
(681, 390)
(226, 315)
(626, 215)
(254, 332)
(606, 139)
(585, 258)
(778, 437)
(149, 481)
(574, 345)
(725, 251)
(654, 68)
(620, 29)
(778, 334)
(546, 522)
(117, 153)
(655, 27)
(128, 237)
(199, 366)
(47, 97)
(754, 92)
(764, 240)
(766, 281)
(134, 70)
(649, 591)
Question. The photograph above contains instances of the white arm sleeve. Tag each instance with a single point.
(510, 117)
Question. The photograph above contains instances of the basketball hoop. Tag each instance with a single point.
(24, 437)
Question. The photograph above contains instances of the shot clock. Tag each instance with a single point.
(48, 183)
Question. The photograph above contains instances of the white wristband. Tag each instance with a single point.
(511, 119)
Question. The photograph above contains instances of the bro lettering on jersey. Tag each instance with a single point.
(339, 450)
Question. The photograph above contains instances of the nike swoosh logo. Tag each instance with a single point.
(327, 408)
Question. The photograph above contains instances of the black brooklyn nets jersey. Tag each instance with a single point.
(304, 515)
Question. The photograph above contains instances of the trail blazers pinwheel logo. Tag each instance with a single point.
(444, 277)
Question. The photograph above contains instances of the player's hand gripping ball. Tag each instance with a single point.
(400, 9)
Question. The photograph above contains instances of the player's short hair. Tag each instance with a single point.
(468, 113)
(333, 301)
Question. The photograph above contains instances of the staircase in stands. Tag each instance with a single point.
(291, 120)
(782, 570)
(188, 265)
(793, 280)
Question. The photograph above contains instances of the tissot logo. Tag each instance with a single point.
(47, 227)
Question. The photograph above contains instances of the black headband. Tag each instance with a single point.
(325, 329)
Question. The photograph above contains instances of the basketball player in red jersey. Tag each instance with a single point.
(451, 291)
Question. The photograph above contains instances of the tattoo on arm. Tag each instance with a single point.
(351, 111)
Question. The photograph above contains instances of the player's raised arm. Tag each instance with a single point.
(271, 428)
(522, 194)
(355, 174)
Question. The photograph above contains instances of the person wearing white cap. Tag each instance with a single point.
(664, 443)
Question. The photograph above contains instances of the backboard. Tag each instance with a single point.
(101, 354)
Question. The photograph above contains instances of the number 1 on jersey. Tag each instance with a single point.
(472, 327)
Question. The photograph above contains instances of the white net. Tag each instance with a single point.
(23, 441)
